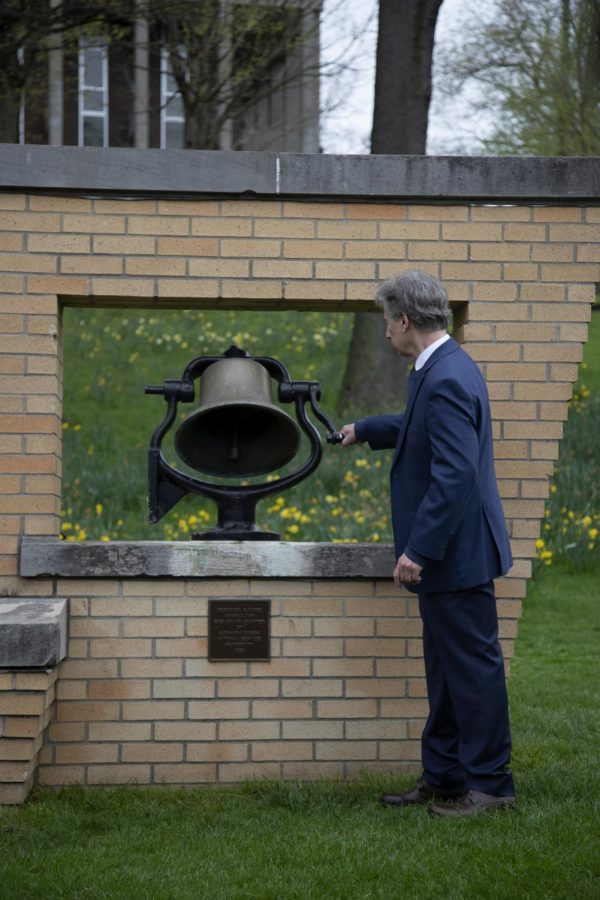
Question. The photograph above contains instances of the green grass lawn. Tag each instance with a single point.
(590, 370)
(328, 841)
(571, 530)
(272, 841)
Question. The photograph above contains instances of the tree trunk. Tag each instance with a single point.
(402, 97)
(403, 75)
(199, 128)
(10, 100)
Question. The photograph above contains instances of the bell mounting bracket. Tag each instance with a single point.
(236, 504)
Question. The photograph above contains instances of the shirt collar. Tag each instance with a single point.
(424, 356)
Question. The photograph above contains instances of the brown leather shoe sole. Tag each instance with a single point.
(475, 803)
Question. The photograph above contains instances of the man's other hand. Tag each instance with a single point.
(349, 435)
(407, 571)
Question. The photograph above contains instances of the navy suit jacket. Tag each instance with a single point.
(446, 510)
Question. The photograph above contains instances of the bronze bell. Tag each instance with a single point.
(238, 431)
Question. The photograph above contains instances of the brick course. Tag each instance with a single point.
(25, 708)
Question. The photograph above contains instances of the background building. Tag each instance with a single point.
(213, 74)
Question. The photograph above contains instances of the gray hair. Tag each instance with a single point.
(417, 295)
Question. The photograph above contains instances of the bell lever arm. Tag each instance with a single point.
(163, 495)
(333, 436)
(174, 391)
(310, 391)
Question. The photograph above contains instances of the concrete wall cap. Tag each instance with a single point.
(301, 176)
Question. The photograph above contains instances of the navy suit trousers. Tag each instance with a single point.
(466, 741)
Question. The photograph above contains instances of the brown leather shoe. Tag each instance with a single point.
(474, 803)
(422, 793)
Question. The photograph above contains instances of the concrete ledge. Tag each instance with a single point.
(204, 559)
(197, 173)
(33, 632)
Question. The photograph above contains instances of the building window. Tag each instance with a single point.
(93, 93)
(21, 59)
(172, 117)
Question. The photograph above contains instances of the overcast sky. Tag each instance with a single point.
(347, 128)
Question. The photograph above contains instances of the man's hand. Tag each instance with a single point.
(407, 571)
(349, 433)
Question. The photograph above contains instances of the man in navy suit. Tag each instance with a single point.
(451, 542)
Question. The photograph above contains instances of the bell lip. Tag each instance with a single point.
(241, 473)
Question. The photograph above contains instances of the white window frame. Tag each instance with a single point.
(82, 113)
(21, 58)
(166, 96)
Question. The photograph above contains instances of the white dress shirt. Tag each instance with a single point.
(424, 356)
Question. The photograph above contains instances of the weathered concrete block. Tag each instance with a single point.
(204, 559)
(33, 632)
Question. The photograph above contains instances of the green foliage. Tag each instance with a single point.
(225, 57)
(32, 25)
(333, 841)
(110, 355)
(537, 67)
(571, 528)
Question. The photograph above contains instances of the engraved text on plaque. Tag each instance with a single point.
(239, 629)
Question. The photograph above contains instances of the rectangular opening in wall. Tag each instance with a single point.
(110, 355)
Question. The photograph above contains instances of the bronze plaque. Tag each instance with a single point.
(239, 629)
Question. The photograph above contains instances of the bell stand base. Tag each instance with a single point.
(235, 534)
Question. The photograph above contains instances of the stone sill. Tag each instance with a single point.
(43, 556)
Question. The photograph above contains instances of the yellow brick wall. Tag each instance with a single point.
(344, 690)
(137, 699)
